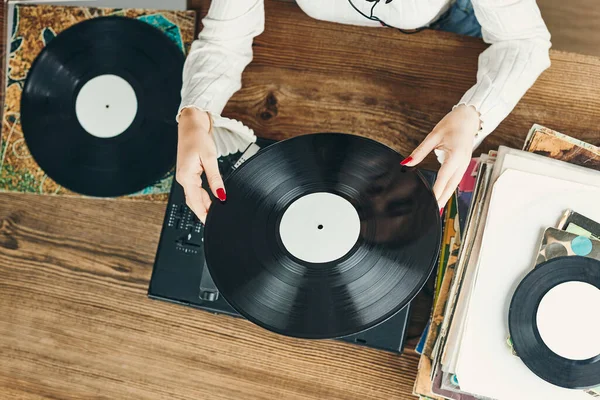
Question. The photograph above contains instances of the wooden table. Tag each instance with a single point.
(75, 322)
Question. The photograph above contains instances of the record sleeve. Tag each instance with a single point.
(574, 222)
(33, 27)
(553, 144)
(451, 327)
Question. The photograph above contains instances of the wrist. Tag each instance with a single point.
(198, 118)
(470, 116)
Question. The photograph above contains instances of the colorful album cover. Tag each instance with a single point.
(483, 172)
(449, 231)
(33, 27)
(558, 243)
(440, 304)
(579, 224)
(465, 194)
(423, 382)
(421, 344)
(553, 144)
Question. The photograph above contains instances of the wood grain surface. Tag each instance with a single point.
(573, 24)
(75, 322)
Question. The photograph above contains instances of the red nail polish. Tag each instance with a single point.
(406, 161)
(221, 194)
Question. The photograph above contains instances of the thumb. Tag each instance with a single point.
(213, 177)
(419, 154)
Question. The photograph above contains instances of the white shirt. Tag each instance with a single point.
(517, 55)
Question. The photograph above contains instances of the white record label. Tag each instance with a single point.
(568, 322)
(320, 227)
(106, 106)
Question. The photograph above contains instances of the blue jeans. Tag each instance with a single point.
(460, 18)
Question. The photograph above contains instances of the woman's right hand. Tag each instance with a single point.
(197, 153)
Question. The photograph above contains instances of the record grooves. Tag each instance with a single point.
(323, 236)
(135, 142)
(526, 338)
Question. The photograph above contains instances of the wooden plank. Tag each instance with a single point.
(74, 318)
(75, 321)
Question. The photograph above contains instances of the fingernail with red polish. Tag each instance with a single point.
(221, 194)
(406, 161)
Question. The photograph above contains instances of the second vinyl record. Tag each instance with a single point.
(99, 104)
(553, 321)
(323, 236)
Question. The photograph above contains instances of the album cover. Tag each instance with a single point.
(423, 382)
(557, 243)
(423, 385)
(437, 377)
(465, 193)
(449, 231)
(421, 344)
(579, 224)
(33, 27)
(454, 221)
(553, 144)
(443, 348)
(440, 303)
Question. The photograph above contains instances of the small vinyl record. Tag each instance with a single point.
(553, 321)
(99, 104)
(323, 236)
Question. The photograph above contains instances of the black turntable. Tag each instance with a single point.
(180, 273)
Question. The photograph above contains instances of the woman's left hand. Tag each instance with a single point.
(454, 135)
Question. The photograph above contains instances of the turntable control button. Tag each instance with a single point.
(209, 296)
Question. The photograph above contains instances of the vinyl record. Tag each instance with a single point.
(99, 104)
(545, 295)
(323, 236)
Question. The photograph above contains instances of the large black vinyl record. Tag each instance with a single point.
(133, 77)
(323, 236)
(524, 332)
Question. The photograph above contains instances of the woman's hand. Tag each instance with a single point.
(454, 135)
(197, 153)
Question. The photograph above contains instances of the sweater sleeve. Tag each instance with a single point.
(213, 69)
(518, 54)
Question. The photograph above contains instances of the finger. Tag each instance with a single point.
(206, 201)
(444, 175)
(192, 187)
(426, 147)
(450, 187)
(213, 176)
(194, 198)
